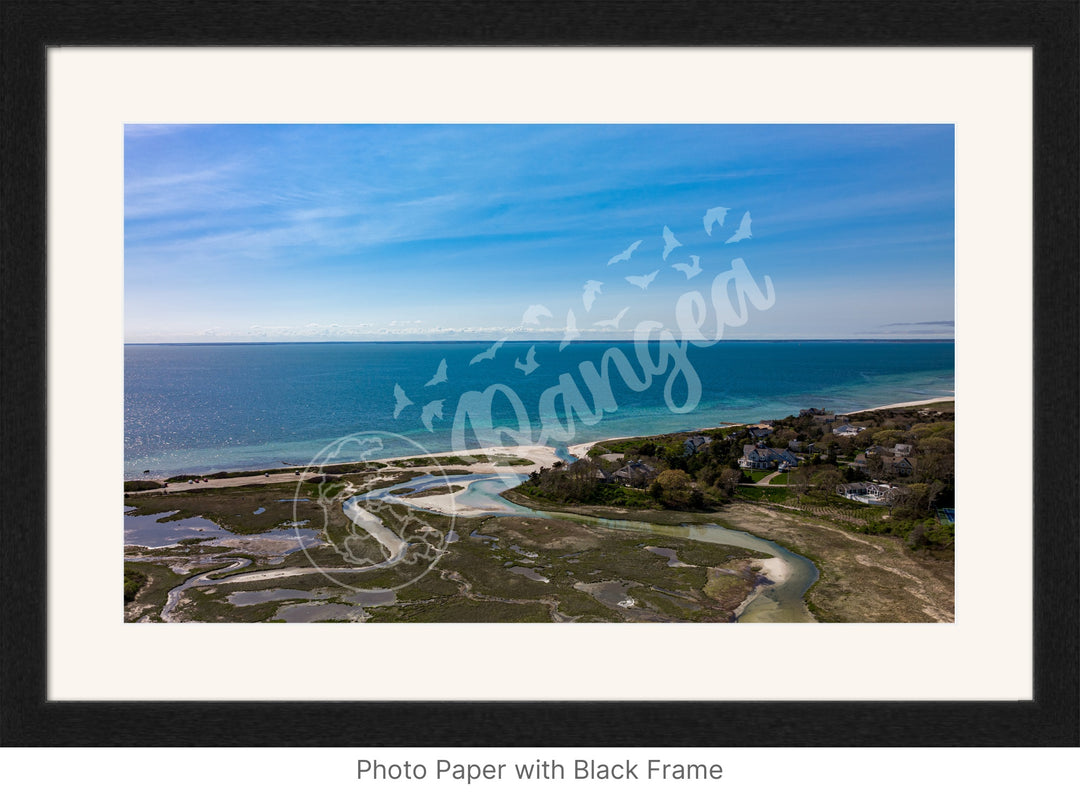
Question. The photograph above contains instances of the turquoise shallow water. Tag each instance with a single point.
(213, 407)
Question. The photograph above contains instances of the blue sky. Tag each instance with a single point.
(385, 232)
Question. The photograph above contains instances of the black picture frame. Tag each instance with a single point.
(27, 718)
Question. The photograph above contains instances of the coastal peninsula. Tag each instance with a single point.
(814, 517)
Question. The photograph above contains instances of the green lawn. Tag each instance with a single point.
(765, 493)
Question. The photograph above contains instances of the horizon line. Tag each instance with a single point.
(624, 340)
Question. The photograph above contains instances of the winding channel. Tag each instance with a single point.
(775, 602)
(780, 602)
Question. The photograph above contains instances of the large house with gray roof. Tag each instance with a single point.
(694, 444)
(635, 473)
(763, 458)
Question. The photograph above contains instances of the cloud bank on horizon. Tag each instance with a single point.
(484, 232)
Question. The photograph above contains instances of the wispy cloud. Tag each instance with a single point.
(244, 229)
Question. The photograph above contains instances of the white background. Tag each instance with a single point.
(985, 92)
(282, 775)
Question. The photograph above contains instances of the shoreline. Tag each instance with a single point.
(579, 450)
(771, 571)
(902, 404)
(540, 456)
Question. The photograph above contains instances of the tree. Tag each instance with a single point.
(935, 459)
(799, 480)
(676, 486)
(832, 453)
(729, 480)
(709, 474)
(720, 449)
(887, 438)
(675, 458)
(917, 536)
(933, 490)
(825, 481)
(782, 437)
(860, 441)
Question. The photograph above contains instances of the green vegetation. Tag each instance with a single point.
(675, 488)
(150, 596)
(393, 479)
(762, 493)
(135, 485)
(191, 541)
(503, 461)
(352, 467)
(134, 581)
(584, 564)
(728, 587)
(920, 471)
(589, 568)
(467, 459)
(211, 604)
(578, 484)
(594, 571)
(862, 577)
(233, 508)
(184, 477)
(153, 591)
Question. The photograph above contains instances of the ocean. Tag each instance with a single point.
(202, 408)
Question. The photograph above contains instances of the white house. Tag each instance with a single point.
(866, 493)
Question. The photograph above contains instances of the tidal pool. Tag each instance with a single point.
(245, 598)
(528, 573)
(150, 530)
(673, 560)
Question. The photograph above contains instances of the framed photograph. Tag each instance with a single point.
(552, 373)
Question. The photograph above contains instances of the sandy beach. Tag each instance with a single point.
(541, 456)
(538, 457)
(581, 449)
(451, 503)
(774, 569)
(905, 404)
